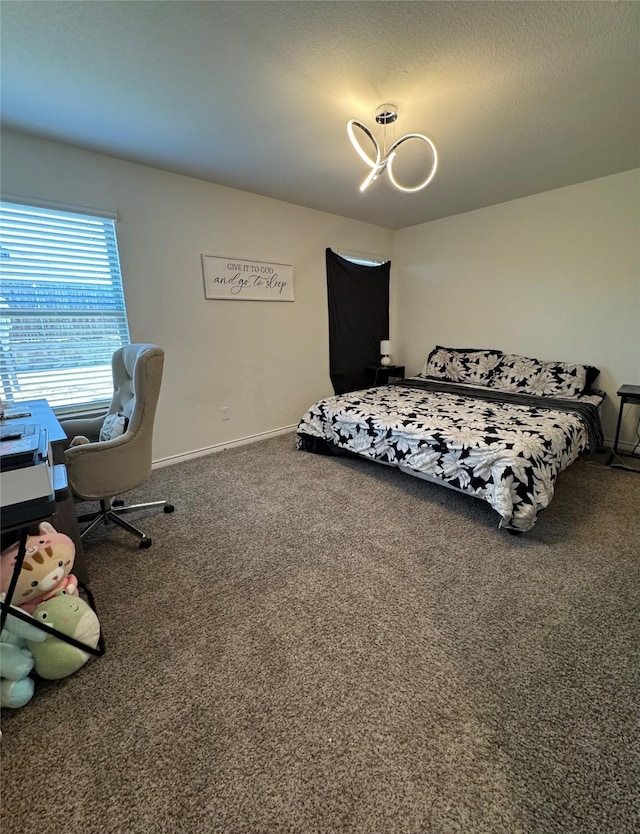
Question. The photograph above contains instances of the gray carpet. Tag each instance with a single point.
(319, 645)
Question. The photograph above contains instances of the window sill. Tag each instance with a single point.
(81, 411)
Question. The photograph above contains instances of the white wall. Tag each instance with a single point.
(266, 361)
(555, 276)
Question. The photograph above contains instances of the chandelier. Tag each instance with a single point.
(386, 114)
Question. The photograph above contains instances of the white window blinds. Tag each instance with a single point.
(62, 311)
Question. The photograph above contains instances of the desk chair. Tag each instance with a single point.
(117, 457)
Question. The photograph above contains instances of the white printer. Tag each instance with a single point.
(27, 489)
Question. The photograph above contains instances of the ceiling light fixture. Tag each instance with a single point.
(386, 114)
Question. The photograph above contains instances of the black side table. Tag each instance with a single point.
(628, 394)
(381, 374)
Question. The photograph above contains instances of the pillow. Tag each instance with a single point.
(524, 375)
(114, 426)
(592, 375)
(462, 364)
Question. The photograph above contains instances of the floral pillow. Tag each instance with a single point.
(114, 426)
(524, 375)
(462, 364)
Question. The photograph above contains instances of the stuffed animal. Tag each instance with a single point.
(46, 569)
(70, 615)
(79, 440)
(16, 661)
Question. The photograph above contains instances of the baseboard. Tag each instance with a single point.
(254, 438)
(221, 447)
(623, 446)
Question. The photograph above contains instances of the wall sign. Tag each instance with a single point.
(241, 280)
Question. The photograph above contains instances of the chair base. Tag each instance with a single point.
(112, 511)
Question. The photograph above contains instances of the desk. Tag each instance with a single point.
(628, 394)
(64, 519)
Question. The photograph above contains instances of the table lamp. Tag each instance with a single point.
(385, 352)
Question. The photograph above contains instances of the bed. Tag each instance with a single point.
(497, 426)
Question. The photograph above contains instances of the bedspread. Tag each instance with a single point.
(506, 449)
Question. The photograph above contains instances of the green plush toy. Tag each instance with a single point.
(71, 615)
(16, 661)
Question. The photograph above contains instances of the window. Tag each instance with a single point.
(361, 258)
(62, 311)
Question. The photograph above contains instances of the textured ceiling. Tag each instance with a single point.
(519, 97)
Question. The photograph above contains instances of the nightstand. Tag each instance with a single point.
(628, 394)
(381, 374)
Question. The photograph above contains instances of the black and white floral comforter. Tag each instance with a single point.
(506, 449)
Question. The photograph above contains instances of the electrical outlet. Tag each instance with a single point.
(224, 413)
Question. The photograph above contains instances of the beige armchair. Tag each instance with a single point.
(104, 468)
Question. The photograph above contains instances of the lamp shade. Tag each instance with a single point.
(385, 347)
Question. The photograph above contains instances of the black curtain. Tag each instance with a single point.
(358, 320)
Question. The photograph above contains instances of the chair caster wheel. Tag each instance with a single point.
(169, 508)
(145, 543)
(117, 503)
